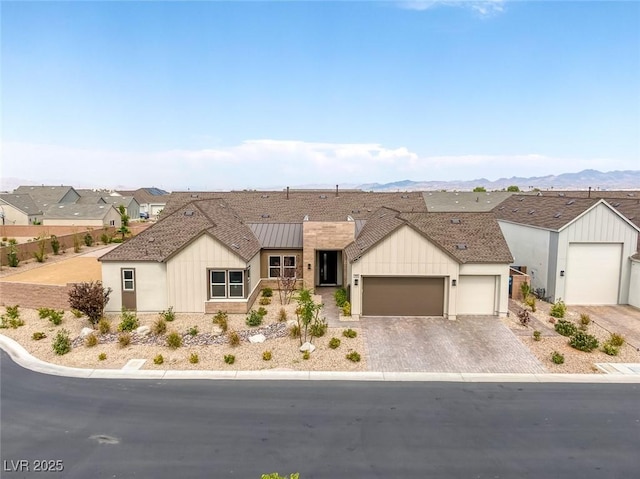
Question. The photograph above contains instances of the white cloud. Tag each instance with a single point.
(483, 8)
(271, 163)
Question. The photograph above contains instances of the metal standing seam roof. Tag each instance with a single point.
(278, 235)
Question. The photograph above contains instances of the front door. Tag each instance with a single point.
(328, 261)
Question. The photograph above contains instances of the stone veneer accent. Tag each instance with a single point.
(323, 235)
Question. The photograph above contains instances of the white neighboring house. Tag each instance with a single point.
(578, 250)
(99, 215)
(19, 209)
(151, 201)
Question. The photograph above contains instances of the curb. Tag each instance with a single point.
(27, 361)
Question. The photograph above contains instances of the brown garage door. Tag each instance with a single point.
(402, 296)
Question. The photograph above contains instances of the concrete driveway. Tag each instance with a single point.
(621, 319)
(471, 344)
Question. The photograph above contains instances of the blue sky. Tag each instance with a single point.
(210, 95)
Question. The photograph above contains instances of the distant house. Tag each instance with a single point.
(151, 201)
(98, 215)
(131, 206)
(463, 201)
(575, 249)
(19, 209)
(45, 196)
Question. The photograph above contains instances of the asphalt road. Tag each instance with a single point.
(224, 429)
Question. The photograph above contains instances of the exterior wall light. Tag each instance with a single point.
(561, 272)
(454, 282)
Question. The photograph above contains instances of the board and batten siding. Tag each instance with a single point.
(254, 282)
(599, 225)
(150, 285)
(634, 284)
(403, 253)
(187, 279)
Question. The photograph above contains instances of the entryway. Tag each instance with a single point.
(329, 268)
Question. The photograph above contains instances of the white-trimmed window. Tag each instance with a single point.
(275, 266)
(128, 280)
(226, 283)
(112, 222)
(288, 266)
(282, 266)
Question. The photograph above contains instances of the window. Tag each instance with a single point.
(226, 284)
(274, 266)
(128, 280)
(112, 223)
(289, 263)
(284, 266)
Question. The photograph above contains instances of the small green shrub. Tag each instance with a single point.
(91, 340)
(537, 336)
(340, 296)
(282, 315)
(265, 301)
(267, 292)
(262, 311)
(193, 358)
(104, 326)
(168, 314)
(62, 343)
(222, 319)
(349, 333)
(557, 358)
(13, 311)
(160, 326)
(531, 302)
(585, 320)
(124, 339)
(525, 289)
(334, 343)
(193, 331)
(306, 355)
(55, 245)
(616, 339)
(346, 309)
(234, 338)
(318, 328)
(254, 318)
(229, 358)
(76, 244)
(610, 349)
(56, 317)
(565, 328)
(266, 356)
(294, 331)
(174, 340)
(129, 321)
(275, 475)
(583, 341)
(12, 257)
(558, 310)
(37, 336)
(158, 359)
(105, 239)
(88, 239)
(102, 356)
(44, 313)
(40, 254)
(353, 356)
(77, 313)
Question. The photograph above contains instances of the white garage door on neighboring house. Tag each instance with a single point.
(593, 273)
(476, 295)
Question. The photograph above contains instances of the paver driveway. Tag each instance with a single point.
(471, 344)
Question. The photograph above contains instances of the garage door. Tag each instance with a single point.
(593, 273)
(402, 296)
(476, 295)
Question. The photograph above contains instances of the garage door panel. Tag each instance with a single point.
(476, 295)
(593, 273)
(402, 296)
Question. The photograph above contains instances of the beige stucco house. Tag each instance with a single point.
(73, 214)
(19, 209)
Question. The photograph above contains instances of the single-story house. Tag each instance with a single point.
(214, 251)
(575, 249)
(131, 206)
(98, 215)
(46, 195)
(19, 209)
(151, 201)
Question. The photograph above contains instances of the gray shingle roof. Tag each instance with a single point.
(118, 200)
(44, 195)
(449, 201)
(172, 233)
(148, 195)
(77, 211)
(379, 225)
(22, 202)
(549, 212)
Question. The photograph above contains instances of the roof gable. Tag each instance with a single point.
(21, 202)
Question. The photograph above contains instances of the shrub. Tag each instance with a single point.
(306, 355)
(524, 317)
(537, 336)
(88, 239)
(262, 311)
(340, 296)
(13, 311)
(91, 340)
(349, 333)
(558, 309)
(282, 315)
(525, 289)
(275, 475)
(90, 298)
(583, 341)
(193, 358)
(222, 319)
(353, 356)
(334, 343)
(12, 257)
(610, 349)
(15, 323)
(616, 339)
(254, 318)
(124, 339)
(266, 356)
(44, 312)
(566, 328)
(102, 356)
(56, 316)
(104, 237)
(37, 336)
(265, 301)
(318, 329)
(174, 340)
(55, 245)
(159, 327)
(294, 331)
(557, 358)
(346, 309)
(229, 358)
(76, 244)
(76, 313)
(234, 338)
(158, 359)
(585, 320)
(129, 320)
(531, 302)
(40, 254)
(168, 314)
(193, 331)
(104, 326)
(62, 343)
(267, 292)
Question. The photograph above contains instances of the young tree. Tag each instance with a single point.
(307, 314)
(124, 222)
(89, 298)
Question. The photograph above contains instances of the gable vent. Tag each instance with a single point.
(570, 202)
(189, 213)
(557, 215)
(532, 212)
(461, 246)
(455, 221)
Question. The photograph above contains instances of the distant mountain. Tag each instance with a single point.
(612, 180)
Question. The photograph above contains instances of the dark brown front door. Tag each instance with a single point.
(402, 296)
(128, 288)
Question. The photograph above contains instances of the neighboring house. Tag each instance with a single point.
(634, 281)
(575, 249)
(151, 201)
(214, 251)
(45, 196)
(131, 206)
(449, 201)
(19, 209)
(98, 215)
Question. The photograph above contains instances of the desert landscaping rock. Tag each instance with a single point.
(143, 331)
(307, 347)
(216, 330)
(257, 338)
(84, 332)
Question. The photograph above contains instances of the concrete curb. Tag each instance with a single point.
(27, 361)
